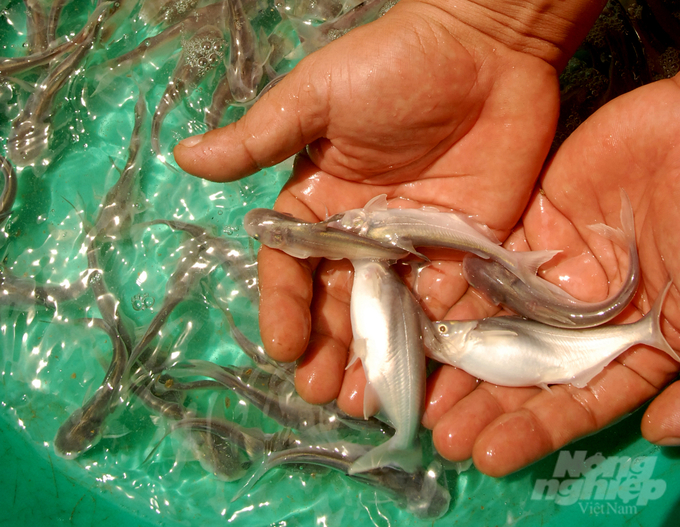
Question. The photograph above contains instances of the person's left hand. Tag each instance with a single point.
(630, 143)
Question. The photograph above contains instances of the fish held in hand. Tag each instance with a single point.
(513, 351)
(429, 227)
(503, 287)
(301, 239)
(387, 332)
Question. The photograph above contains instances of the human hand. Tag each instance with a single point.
(450, 111)
(629, 143)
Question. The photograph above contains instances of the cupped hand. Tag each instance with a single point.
(417, 105)
(631, 143)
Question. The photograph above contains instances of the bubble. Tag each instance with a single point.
(142, 301)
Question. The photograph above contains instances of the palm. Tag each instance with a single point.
(449, 133)
(630, 144)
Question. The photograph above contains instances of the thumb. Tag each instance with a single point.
(288, 117)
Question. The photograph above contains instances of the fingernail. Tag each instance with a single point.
(669, 441)
(192, 141)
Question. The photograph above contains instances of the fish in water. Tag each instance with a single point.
(83, 428)
(302, 239)
(429, 227)
(513, 351)
(388, 339)
(503, 287)
(200, 54)
(9, 190)
(31, 129)
(247, 54)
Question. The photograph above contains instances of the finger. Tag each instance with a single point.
(351, 397)
(285, 297)
(288, 117)
(455, 433)
(319, 374)
(552, 419)
(661, 422)
(445, 387)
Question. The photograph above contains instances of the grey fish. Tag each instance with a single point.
(225, 252)
(36, 22)
(117, 210)
(83, 428)
(287, 409)
(53, 20)
(388, 339)
(200, 54)
(31, 129)
(429, 227)
(513, 351)
(9, 190)
(190, 269)
(503, 287)
(26, 291)
(303, 240)
(246, 55)
(419, 491)
(221, 99)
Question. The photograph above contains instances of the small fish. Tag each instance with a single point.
(200, 54)
(387, 333)
(503, 287)
(26, 291)
(314, 37)
(36, 30)
(9, 190)
(419, 491)
(429, 227)
(513, 351)
(117, 209)
(234, 261)
(83, 428)
(303, 240)
(288, 410)
(190, 269)
(247, 55)
(53, 20)
(221, 99)
(31, 129)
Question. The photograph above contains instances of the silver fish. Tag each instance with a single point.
(429, 227)
(513, 351)
(503, 287)
(83, 428)
(9, 190)
(221, 99)
(246, 55)
(388, 339)
(200, 54)
(26, 291)
(31, 129)
(53, 20)
(303, 240)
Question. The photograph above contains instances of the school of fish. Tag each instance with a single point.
(554, 339)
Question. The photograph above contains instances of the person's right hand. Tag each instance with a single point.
(449, 104)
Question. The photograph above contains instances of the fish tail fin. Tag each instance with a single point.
(388, 455)
(625, 236)
(255, 474)
(528, 262)
(656, 338)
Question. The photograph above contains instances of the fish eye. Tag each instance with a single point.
(442, 328)
(256, 236)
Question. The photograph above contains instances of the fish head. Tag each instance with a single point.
(269, 227)
(79, 433)
(453, 334)
(28, 142)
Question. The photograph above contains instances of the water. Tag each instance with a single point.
(51, 363)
